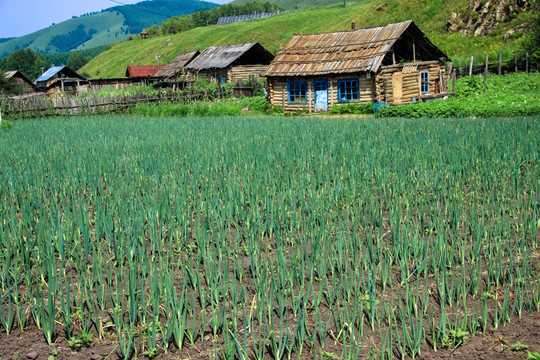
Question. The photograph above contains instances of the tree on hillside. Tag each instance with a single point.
(26, 61)
(77, 61)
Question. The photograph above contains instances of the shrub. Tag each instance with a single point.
(6, 125)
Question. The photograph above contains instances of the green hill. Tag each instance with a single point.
(274, 32)
(106, 27)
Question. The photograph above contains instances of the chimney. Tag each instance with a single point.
(185, 51)
(353, 26)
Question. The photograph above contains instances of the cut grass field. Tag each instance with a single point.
(274, 32)
(270, 237)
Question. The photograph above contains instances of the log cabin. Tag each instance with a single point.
(59, 81)
(394, 64)
(229, 63)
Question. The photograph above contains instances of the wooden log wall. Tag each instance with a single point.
(410, 81)
(277, 90)
(244, 72)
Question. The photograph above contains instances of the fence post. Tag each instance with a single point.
(471, 66)
(527, 62)
(486, 71)
(500, 63)
(1, 111)
(454, 82)
(515, 63)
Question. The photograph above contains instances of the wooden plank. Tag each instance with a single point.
(397, 86)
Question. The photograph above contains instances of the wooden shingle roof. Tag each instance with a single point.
(223, 56)
(351, 51)
(175, 67)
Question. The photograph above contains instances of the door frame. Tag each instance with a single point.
(315, 82)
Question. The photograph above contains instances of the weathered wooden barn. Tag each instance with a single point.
(60, 81)
(394, 63)
(142, 71)
(175, 68)
(230, 63)
(27, 85)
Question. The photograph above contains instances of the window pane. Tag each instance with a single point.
(348, 90)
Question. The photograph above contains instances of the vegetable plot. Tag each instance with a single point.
(256, 238)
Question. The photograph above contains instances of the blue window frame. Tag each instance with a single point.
(348, 90)
(297, 92)
(223, 79)
(424, 78)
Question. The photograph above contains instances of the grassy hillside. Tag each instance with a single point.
(274, 32)
(40, 40)
(104, 28)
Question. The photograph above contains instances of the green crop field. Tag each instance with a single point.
(269, 237)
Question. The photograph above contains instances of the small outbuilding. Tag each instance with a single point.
(22, 80)
(142, 71)
(60, 81)
(394, 63)
(230, 63)
(175, 68)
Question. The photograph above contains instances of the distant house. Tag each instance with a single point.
(22, 80)
(175, 68)
(60, 81)
(394, 63)
(141, 71)
(230, 63)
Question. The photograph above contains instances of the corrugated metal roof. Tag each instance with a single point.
(141, 71)
(342, 52)
(232, 19)
(222, 56)
(47, 75)
(50, 73)
(177, 64)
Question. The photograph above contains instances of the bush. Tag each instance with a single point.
(506, 95)
(6, 125)
(353, 108)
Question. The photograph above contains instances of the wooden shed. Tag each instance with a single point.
(61, 80)
(394, 63)
(28, 86)
(230, 63)
(175, 68)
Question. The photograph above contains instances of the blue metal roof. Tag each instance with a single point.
(50, 73)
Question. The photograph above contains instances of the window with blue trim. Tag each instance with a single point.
(424, 78)
(297, 92)
(348, 90)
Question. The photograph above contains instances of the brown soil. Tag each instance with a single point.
(493, 345)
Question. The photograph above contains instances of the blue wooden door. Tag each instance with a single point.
(321, 95)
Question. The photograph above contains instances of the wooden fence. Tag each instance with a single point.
(497, 66)
(42, 106)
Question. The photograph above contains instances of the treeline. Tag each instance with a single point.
(33, 64)
(177, 24)
(72, 39)
(143, 14)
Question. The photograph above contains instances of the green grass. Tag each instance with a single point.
(274, 32)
